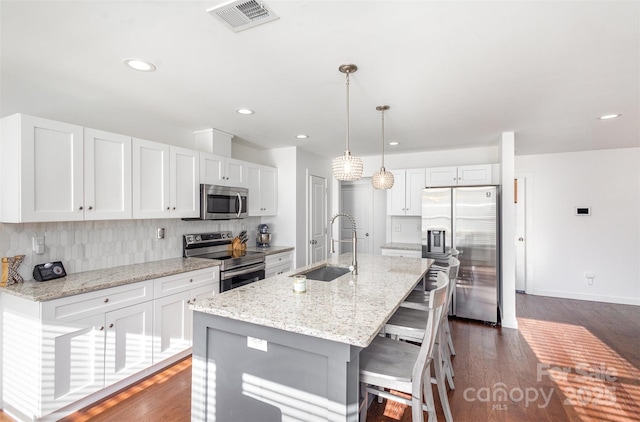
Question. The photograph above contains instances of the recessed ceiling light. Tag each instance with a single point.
(244, 111)
(140, 65)
(302, 136)
(609, 116)
(394, 143)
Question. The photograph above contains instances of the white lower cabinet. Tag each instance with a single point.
(407, 253)
(59, 352)
(95, 352)
(172, 332)
(128, 346)
(278, 263)
(172, 317)
(76, 368)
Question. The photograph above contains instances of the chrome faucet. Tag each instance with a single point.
(354, 241)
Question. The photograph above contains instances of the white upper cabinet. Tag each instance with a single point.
(263, 190)
(166, 181)
(42, 169)
(107, 175)
(405, 197)
(222, 171)
(460, 175)
(53, 171)
(184, 171)
(150, 179)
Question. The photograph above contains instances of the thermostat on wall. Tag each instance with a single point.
(583, 210)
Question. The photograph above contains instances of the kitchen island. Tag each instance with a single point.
(263, 352)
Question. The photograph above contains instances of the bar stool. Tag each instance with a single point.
(407, 324)
(404, 367)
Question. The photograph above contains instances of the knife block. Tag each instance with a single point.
(237, 245)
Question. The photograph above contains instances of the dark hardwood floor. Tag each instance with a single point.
(570, 360)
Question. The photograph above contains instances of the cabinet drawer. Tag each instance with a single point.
(407, 253)
(83, 305)
(204, 292)
(278, 269)
(186, 281)
(278, 258)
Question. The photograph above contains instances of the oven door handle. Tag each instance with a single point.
(244, 270)
(239, 203)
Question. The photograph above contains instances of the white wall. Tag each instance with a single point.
(309, 164)
(283, 225)
(454, 157)
(507, 231)
(565, 246)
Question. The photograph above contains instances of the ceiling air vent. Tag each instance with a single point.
(242, 14)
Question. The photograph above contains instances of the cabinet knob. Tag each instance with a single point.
(111, 325)
(168, 208)
(106, 300)
(190, 280)
(102, 328)
(90, 207)
(189, 302)
(174, 208)
(80, 208)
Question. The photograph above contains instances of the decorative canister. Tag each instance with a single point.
(299, 283)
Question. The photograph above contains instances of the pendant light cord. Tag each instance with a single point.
(383, 138)
(348, 111)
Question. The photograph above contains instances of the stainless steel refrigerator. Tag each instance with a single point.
(467, 219)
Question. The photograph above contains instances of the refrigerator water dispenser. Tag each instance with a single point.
(435, 241)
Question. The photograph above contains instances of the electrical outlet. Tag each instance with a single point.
(37, 244)
(589, 276)
(397, 227)
(160, 233)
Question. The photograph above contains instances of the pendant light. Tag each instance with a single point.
(382, 179)
(347, 167)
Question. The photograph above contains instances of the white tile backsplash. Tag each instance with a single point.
(94, 245)
(405, 229)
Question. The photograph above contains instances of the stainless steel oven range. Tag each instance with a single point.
(238, 268)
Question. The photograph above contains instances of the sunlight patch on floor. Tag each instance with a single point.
(595, 381)
(161, 377)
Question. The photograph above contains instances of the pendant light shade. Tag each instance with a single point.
(382, 179)
(347, 167)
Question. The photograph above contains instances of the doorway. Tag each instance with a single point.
(522, 195)
(368, 207)
(317, 219)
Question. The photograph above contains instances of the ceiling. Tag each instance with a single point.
(455, 74)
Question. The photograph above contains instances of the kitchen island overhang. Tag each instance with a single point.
(263, 352)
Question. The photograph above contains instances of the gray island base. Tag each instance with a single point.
(264, 353)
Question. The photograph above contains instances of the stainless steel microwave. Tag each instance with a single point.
(222, 202)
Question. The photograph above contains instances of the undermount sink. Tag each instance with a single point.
(324, 273)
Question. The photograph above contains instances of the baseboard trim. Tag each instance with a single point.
(509, 323)
(593, 298)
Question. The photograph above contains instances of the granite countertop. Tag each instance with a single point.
(89, 281)
(350, 309)
(404, 246)
(271, 249)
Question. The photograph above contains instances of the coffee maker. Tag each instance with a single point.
(264, 237)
